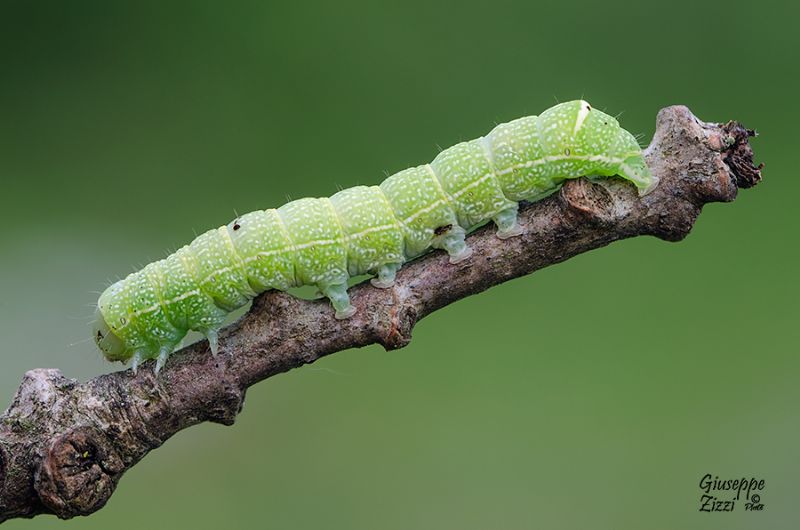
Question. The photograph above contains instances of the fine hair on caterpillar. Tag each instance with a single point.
(373, 230)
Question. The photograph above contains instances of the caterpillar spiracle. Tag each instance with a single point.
(362, 230)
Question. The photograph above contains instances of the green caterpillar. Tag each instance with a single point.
(364, 229)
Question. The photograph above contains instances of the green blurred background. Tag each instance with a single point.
(594, 394)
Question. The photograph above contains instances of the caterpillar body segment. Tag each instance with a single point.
(362, 230)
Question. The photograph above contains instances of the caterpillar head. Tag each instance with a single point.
(112, 346)
(634, 168)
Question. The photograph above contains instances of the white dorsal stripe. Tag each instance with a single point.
(583, 113)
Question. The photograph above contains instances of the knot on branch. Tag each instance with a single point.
(39, 392)
(78, 473)
(402, 318)
(224, 407)
(594, 203)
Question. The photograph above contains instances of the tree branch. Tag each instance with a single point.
(64, 445)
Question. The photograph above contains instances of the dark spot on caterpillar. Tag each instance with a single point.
(100, 335)
(122, 321)
(442, 229)
(566, 151)
(236, 226)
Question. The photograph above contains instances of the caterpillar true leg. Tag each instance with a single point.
(213, 341)
(340, 300)
(163, 355)
(386, 274)
(635, 170)
(506, 222)
(138, 358)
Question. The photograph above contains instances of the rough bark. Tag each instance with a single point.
(64, 445)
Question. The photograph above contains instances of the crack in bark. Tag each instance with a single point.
(65, 445)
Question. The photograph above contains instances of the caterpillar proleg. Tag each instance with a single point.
(362, 230)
